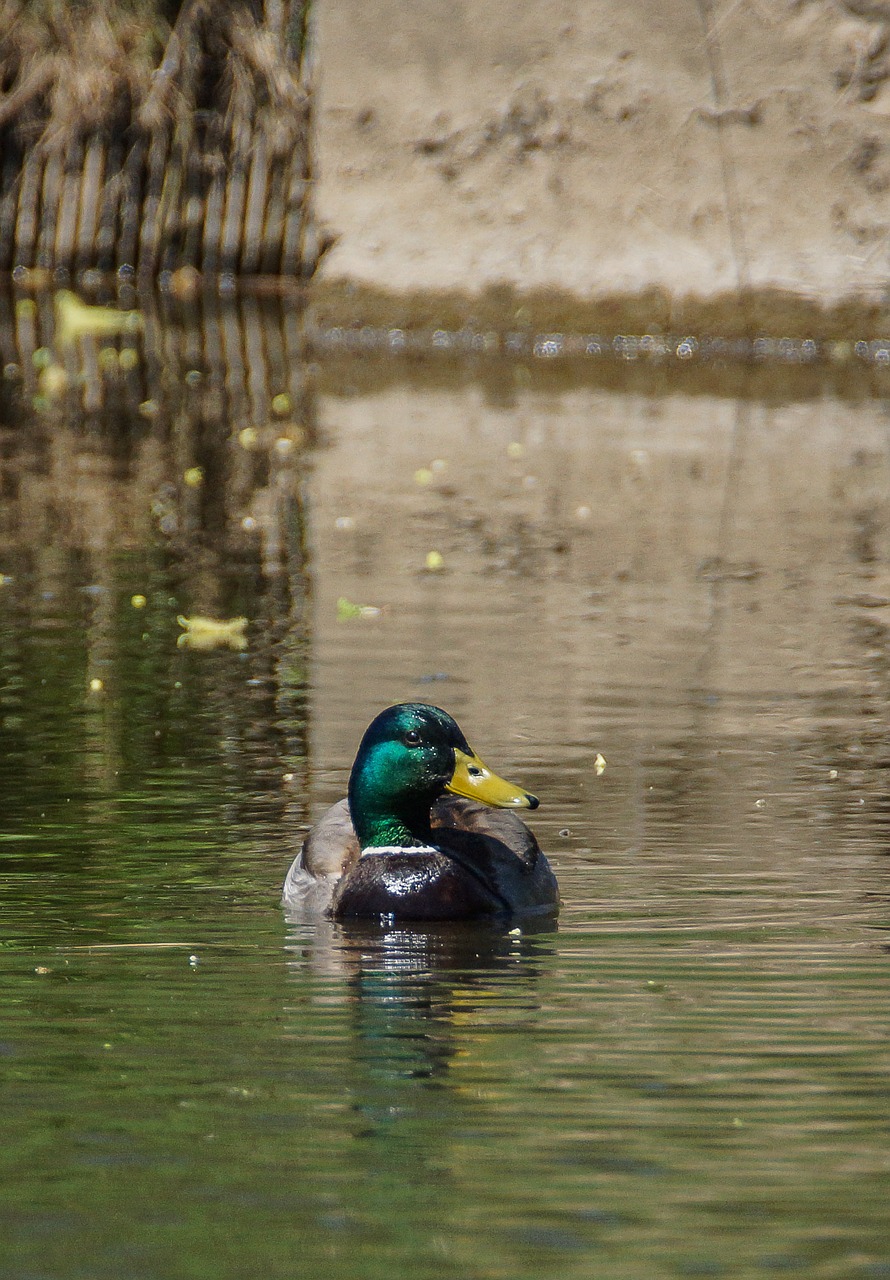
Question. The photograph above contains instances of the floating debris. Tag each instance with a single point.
(426, 475)
(347, 610)
(96, 685)
(138, 601)
(599, 764)
(212, 633)
(184, 283)
(75, 319)
(53, 381)
(434, 562)
(194, 477)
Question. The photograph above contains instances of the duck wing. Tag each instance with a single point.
(506, 832)
(331, 848)
(497, 848)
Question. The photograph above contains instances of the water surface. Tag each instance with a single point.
(688, 1076)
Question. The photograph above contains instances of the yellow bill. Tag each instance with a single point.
(475, 781)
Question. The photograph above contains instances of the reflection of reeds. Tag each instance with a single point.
(127, 143)
(175, 457)
(241, 359)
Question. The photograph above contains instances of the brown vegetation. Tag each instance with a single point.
(134, 142)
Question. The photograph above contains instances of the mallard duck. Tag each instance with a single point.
(415, 838)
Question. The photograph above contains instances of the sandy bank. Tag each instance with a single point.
(688, 154)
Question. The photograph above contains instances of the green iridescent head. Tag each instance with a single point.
(410, 755)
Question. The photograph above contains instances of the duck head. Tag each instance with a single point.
(409, 756)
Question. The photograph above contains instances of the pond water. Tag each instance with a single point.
(687, 1076)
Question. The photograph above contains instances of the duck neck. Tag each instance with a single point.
(377, 824)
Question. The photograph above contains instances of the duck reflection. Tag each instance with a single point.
(421, 998)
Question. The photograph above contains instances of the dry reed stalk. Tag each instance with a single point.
(132, 176)
(213, 222)
(257, 187)
(273, 228)
(152, 217)
(10, 178)
(233, 218)
(28, 209)
(53, 173)
(90, 194)
(69, 201)
(193, 205)
(176, 195)
(109, 207)
(293, 223)
(154, 361)
(214, 204)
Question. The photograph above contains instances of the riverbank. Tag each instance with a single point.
(701, 167)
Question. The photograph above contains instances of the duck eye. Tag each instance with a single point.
(412, 738)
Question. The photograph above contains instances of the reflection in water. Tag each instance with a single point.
(161, 479)
(411, 989)
(695, 588)
(423, 1008)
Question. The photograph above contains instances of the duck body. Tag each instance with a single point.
(400, 848)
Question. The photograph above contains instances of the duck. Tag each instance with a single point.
(426, 832)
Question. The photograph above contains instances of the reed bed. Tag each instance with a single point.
(131, 142)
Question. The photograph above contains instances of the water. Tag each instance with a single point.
(688, 1076)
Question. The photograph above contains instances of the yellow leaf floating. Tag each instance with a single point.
(75, 318)
(346, 610)
(212, 633)
(599, 764)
